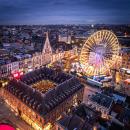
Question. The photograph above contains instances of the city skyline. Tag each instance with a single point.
(64, 12)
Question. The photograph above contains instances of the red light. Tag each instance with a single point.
(16, 75)
(21, 73)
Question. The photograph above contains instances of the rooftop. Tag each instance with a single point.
(72, 122)
(82, 118)
(102, 99)
(86, 113)
(125, 50)
(125, 115)
(44, 102)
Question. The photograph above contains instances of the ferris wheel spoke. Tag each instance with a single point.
(99, 52)
(88, 45)
(111, 38)
(112, 44)
(108, 38)
(106, 65)
(94, 41)
(88, 48)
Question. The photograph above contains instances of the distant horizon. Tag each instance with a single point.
(64, 24)
(30, 12)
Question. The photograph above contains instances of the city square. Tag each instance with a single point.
(64, 65)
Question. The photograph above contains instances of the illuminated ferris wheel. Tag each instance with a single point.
(99, 53)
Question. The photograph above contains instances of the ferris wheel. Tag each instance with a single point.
(99, 53)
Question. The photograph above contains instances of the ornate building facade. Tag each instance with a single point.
(42, 105)
(37, 60)
(44, 57)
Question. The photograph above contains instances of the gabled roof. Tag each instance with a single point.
(102, 100)
(125, 115)
(72, 122)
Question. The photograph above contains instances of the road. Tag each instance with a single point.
(6, 115)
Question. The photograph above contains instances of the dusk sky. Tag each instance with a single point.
(64, 11)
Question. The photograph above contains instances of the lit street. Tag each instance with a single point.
(7, 116)
(64, 65)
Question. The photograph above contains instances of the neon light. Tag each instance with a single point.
(21, 73)
(16, 75)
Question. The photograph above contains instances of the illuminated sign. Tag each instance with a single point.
(21, 73)
(17, 74)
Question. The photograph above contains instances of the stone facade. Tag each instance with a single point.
(43, 109)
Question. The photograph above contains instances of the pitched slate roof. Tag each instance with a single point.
(44, 102)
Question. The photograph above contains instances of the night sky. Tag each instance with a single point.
(64, 11)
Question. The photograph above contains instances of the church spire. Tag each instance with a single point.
(47, 46)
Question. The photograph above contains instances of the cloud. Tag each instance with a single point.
(76, 11)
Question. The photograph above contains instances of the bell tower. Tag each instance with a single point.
(47, 51)
(47, 46)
